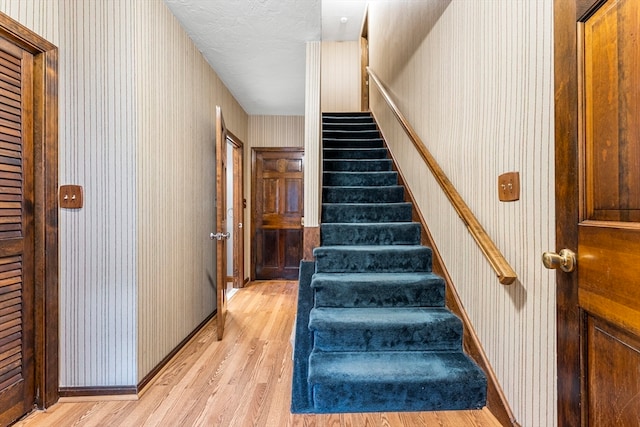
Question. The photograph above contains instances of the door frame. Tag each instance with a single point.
(238, 206)
(364, 61)
(45, 139)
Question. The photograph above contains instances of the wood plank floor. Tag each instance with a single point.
(244, 380)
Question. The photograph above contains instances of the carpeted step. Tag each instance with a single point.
(376, 165)
(362, 179)
(395, 381)
(351, 134)
(352, 125)
(385, 329)
(379, 336)
(354, 153)
(387, 194)
(352, 143)
(366, 212)
(368, 259)
(420, 289)
(394, 233)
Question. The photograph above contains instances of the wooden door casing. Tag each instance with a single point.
(238, 211)
(597, 210)
(364, 62)
(277, 212)
(44, 109)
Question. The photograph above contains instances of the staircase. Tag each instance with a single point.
(380, 336)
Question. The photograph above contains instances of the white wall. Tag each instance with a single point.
(475, 79)
(137, 122)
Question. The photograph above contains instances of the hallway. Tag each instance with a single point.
(244, 380)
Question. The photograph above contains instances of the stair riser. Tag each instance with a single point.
(352, 143)
(354, 153)
(355, 213)
(370, 234)
(350, 126)
(357, 165)
(374, 295)
(389, 397)
(363, 195)
(351, 134)
(427, 337)
(338, 261)
(362, 179)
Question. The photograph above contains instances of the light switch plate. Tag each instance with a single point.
(71, 196)
(509, 187)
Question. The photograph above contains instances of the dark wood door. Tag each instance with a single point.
(17, 371)
(277, 212)
(221, 222)
(598, 114)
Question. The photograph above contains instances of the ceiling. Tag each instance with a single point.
(257, 47)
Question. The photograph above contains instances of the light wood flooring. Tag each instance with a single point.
(243, 380)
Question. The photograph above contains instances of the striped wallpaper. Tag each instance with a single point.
(475, 79)
(137, 119)
(177, 93)
(340, 81)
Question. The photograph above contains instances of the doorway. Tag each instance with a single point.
(364, 62)
(235, 214)
(277, 213)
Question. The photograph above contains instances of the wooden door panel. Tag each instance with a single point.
(279, 252)
(609, 260)
(293, 192)
(17, 250)
(612, 97)
(270, 196)
(609, 227)
(292, 249)
(613, 375)
(221, 222)
(277, 214)
(269, 243)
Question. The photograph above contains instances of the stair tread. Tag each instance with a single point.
(374, 248)
(392, 367)
(379, 317)
(407, 278)
(379, 205)
(365, 187)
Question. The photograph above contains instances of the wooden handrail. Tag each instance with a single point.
(505, 273)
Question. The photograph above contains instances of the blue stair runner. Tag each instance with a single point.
(378, 335)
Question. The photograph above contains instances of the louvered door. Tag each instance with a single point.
(16, 233)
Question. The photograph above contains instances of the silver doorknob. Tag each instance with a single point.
(220, 236)
(565, 260)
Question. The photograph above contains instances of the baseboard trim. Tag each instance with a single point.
(496, 400)
(83, 394)
(107, 393)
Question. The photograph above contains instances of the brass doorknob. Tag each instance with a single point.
(565, 260)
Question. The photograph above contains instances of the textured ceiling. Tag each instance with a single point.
(257, 47)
